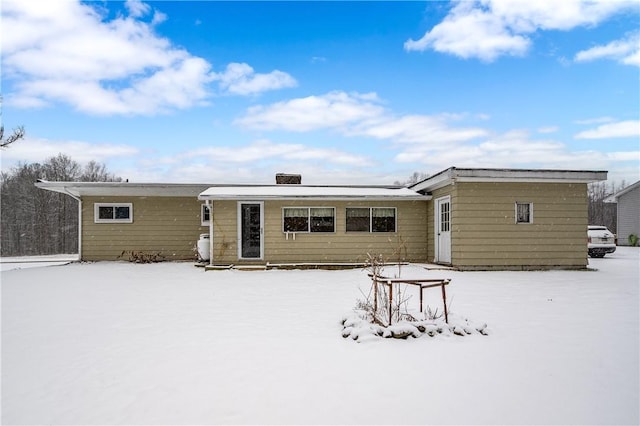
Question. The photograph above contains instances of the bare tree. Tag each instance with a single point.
(601, 213)
(34, 221)
(415, 178)
(17, 134)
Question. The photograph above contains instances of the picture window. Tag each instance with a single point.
(371, 219)
(308, 219)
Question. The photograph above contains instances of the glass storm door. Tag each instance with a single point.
(250, 230)
(443, 230)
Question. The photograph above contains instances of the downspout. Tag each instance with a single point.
(79, 200)
(209, 205)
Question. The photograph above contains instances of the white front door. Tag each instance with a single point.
(443, 230)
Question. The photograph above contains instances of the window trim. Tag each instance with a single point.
(203, 208)
(96, 212)
(523, 203)
(370, 230)
(309, 230)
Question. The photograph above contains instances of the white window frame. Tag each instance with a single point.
(205, 208)
(521, 203)
(309, 231)
(370, 230)
(96, 212)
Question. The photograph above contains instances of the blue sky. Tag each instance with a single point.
(341, 92)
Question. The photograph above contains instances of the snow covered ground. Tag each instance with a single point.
(22, 262)
(115, 343)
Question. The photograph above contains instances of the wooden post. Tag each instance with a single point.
(375, 295)
(390, 302)
(421, 291)
(444, 300)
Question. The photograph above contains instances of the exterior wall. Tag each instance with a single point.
(628, 216)
(484, 234)
(336, 247)
(169, 225)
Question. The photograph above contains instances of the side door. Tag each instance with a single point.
(443, 230)
(250, 230)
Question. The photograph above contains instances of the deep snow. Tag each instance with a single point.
(114, 343)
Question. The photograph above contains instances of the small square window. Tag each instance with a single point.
(524, 212)
(113, 213)
(205, 215)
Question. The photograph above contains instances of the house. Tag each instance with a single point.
(467, 218)
(628, 213)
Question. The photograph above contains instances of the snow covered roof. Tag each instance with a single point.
(230, 192)
(83, 189)
(454, 174)
(614, 198)
(285, 192)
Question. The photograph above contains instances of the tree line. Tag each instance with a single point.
(38, 222)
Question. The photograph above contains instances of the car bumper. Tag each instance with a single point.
(602, 249)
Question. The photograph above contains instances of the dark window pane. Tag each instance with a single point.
(384, 220)
(122, 213)
(322, 219)
(524, 213)
(358, 220)
(296, 224)
(105, 212)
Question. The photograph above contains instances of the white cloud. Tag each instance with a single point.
(255, 162)
(68, 52)
(596, 120)
(33, 150)
(137, 8)
(487, 29)
(548, 129)
(329, 111)
(469, 31)
(516, 149)
(264, 150)
(241, 79)
(355, 114)
(621, 129)
(625, 51)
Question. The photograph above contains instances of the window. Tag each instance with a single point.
(113, 213)
(524, 212)
(374, 219)
(205, 215)
(308, 219)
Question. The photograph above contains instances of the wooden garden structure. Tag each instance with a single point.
(422, 283)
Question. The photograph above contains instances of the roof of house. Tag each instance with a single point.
(614, 198)
(455, 174)
(85, 189)
(309, 192)
(230, 192)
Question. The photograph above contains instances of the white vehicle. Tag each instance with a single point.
(601, 241)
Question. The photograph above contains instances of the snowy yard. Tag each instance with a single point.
(115, 343)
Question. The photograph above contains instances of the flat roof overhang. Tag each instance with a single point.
(124, 189)
(454, 174)
(306, 192)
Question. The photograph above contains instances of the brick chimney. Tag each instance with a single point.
(288, 179)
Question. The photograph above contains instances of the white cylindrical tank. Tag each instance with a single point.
(203, 247)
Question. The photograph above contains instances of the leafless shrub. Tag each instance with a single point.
(142, 256)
